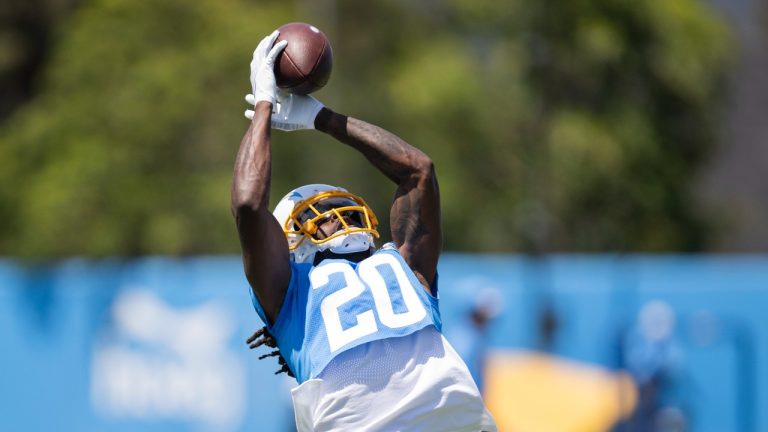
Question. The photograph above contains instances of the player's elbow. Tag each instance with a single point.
(423, 169)
(245, 210)
(244, 202)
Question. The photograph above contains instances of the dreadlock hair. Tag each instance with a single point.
(261, 337)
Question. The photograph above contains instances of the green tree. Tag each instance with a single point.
(567, 125)
(128, 148)
(554, 125)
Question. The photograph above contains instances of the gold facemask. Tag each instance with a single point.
(307, 215)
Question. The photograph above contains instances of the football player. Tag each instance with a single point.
(359, 327)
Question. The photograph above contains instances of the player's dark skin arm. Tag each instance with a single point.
(265, 249)
(415, 213)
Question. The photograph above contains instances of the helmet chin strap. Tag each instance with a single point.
(355, 242)
(349, 256)
(352, 247)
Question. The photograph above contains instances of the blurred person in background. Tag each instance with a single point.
(652, 355)
(471, 337)
(317, 278)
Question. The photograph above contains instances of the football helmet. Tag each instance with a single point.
(303, 209)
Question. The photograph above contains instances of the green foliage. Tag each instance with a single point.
(574, 125)
(560, 124)
(128, 150)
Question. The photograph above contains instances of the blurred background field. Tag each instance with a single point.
(597, 159)
(576, 343)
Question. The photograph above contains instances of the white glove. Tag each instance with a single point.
(263, 68)
(292, 112)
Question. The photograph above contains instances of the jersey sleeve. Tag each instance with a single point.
(294, 303)
(257, 306)
(290, 301)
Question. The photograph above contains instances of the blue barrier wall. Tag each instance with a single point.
(156, 344)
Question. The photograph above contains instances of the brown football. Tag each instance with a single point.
(305, 64)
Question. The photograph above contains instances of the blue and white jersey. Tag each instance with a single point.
(338, 305)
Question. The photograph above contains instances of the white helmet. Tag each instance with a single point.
(299, 212)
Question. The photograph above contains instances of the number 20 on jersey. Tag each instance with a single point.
(356, 283)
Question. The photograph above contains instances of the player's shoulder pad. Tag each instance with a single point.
(388, 246)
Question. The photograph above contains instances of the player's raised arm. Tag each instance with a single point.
(415, 214)
(265, 250)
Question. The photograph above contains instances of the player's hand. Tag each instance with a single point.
(291, 112)
(263, 68)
